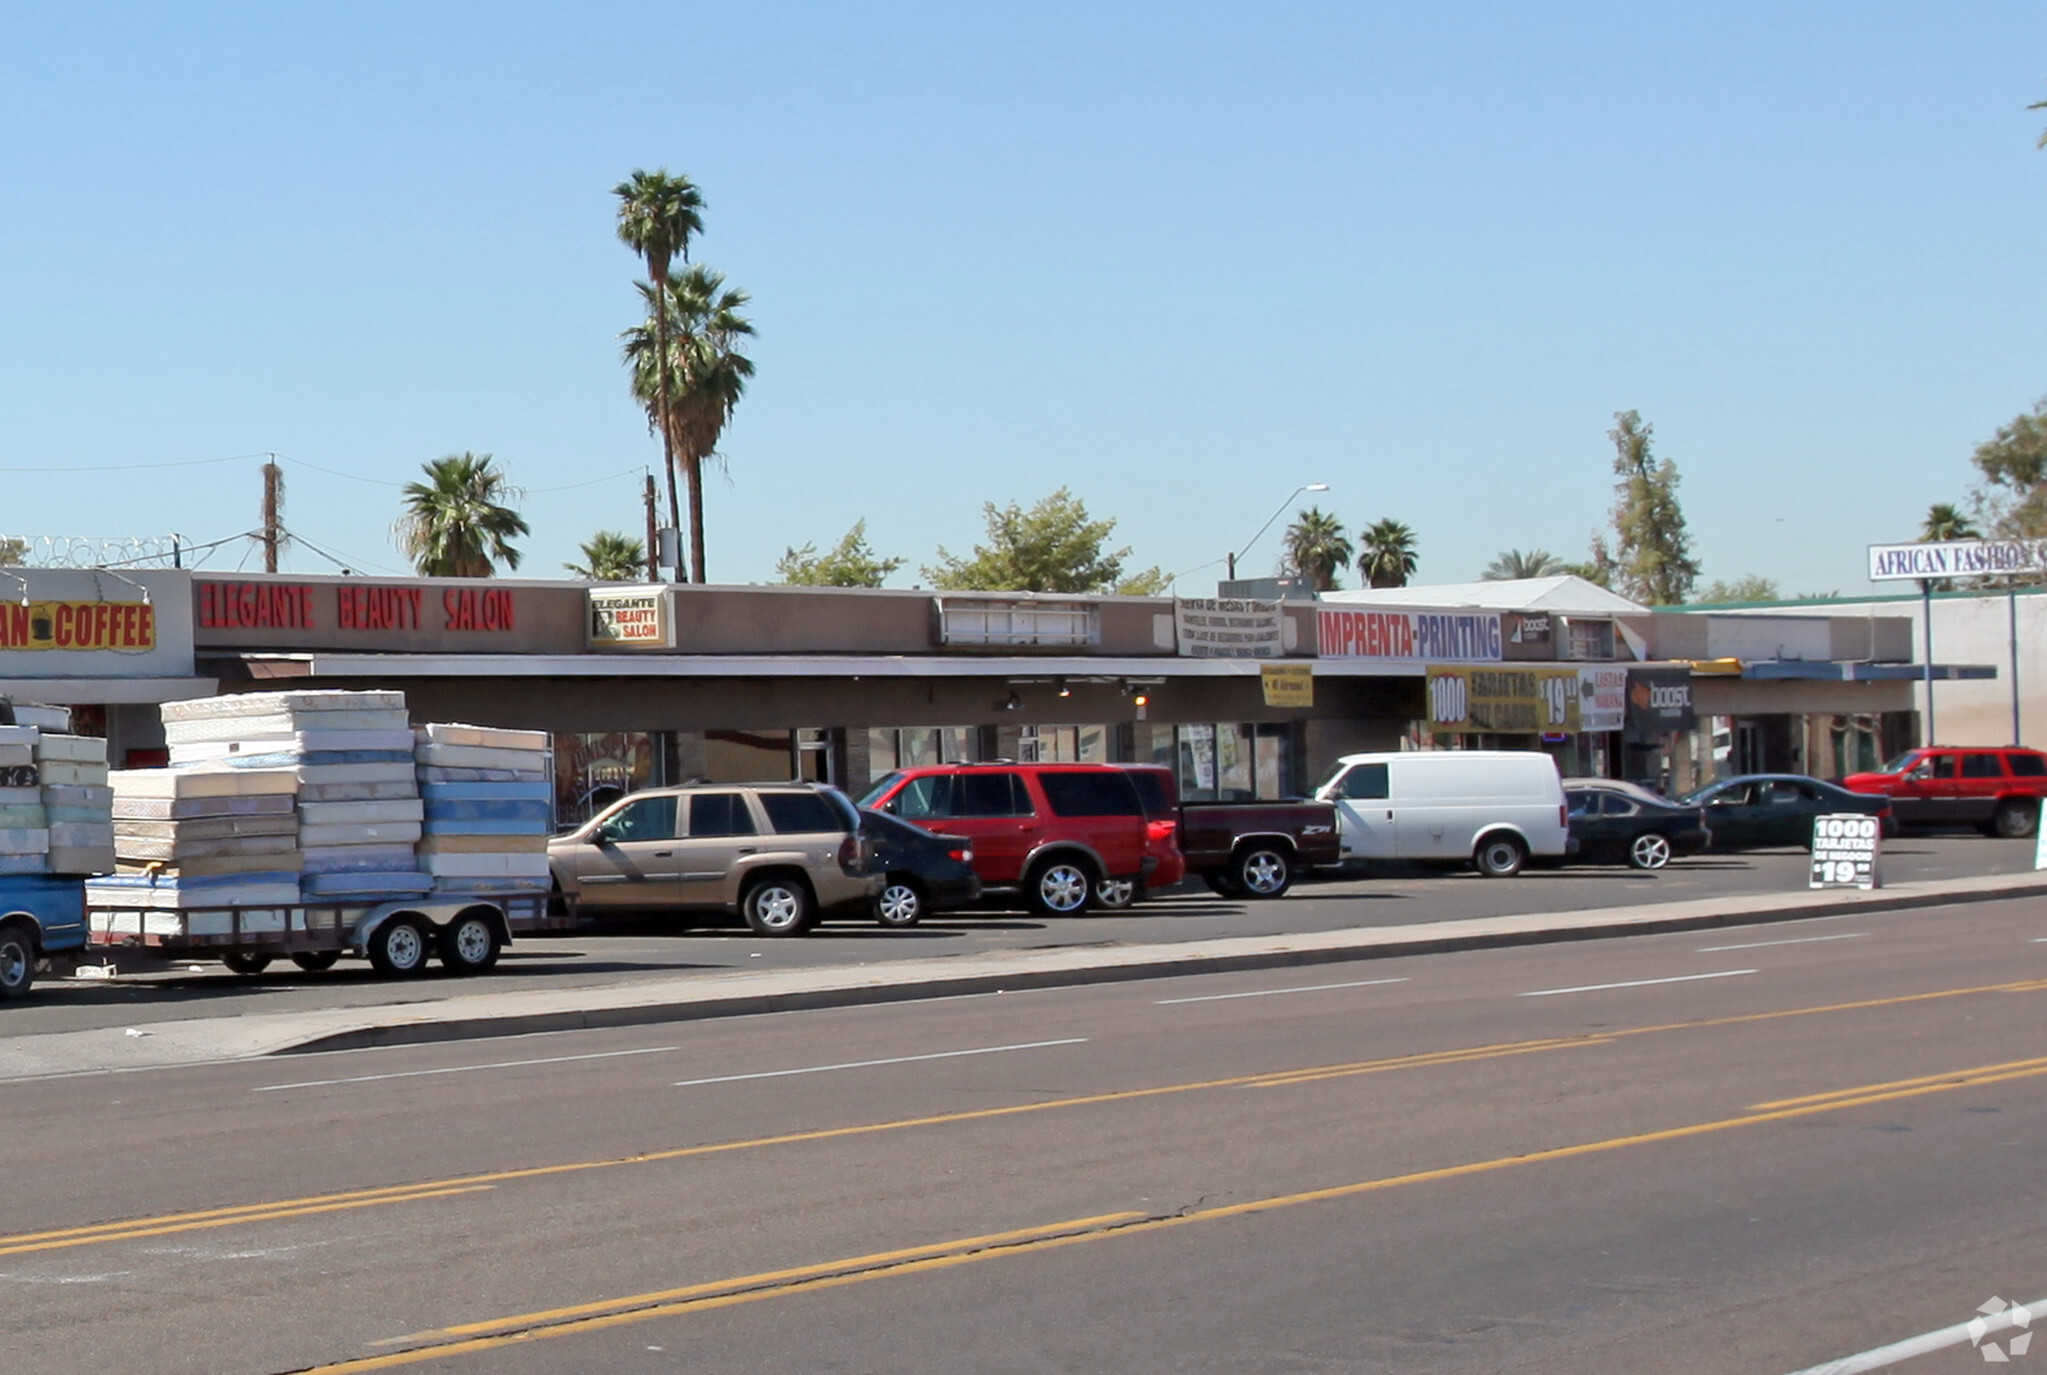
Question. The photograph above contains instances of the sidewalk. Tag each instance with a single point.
(695, 995)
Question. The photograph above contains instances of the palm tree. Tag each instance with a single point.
(1387, 555)
(657, 213)
(455, 524)
(1514, 565)
(1944, 520)
(705, 377)
(609, 556)
(1316, 548)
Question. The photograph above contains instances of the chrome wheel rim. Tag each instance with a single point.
(1064, 888)
(1499, 858)
(899, 905)
(1264, 872)
(1652, 851)
(1116, 892)
(777, 908)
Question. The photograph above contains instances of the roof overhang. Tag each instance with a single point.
(317, 665)
(1826, 671)
(74, 692)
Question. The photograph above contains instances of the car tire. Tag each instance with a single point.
(1116, 894)
(1649, 850)
(1221, 884)
(17, 961)
(1262, 871)
(399, 949)
(1499, 856)
(778, 907)
(1059, 887)
(243, 962)
(316, 961)
(900, 904)
(2016, 819)
(469, 944)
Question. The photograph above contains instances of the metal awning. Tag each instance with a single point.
(75, 692)
(1827, 671)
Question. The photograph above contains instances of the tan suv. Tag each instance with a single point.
(780, 854)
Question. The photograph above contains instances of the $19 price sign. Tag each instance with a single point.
(1844, 851)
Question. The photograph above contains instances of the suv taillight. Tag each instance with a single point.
(964, 854)
(849, 854)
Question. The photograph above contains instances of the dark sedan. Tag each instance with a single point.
(1614, 822)
(926, 873)
(1762, 809)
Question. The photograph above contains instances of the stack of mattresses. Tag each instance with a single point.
(202, 838)
(352, 758)
(488, 808)
(24, 827)
(77, 803)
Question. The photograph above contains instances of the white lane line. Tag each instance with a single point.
(868, 1064)
(462, 1069)
(1801, 940)
(1633, 983)
(1975, 1330)
(1274, 992)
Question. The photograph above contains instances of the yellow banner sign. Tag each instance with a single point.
(126, 627)
(1288, 685)
(1503, 701)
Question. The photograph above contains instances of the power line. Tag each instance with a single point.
(133, 467)
(569, 487)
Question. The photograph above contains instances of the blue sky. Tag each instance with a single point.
(1180, 258)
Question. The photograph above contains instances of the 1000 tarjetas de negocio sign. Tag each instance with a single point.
(1957, 558)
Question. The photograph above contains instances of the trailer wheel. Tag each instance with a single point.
(469, 944)
(316, 961)
(399, 948)
(242, 962)
(17, 961)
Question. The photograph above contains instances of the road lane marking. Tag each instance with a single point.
(1876, 1358)
(1275, 992)
(460, 1069)
(869, 1064)
(1308, 1074)
(602, 1315)
(142, 1228)
(1956, 1077)
(1635, 983)
(1802, 940)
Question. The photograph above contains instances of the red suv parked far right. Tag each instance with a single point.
(1057, 832)
(1997, 790)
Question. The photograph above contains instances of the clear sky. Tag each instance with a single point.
(1181, 258)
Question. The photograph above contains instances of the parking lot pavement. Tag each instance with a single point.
(628, 949)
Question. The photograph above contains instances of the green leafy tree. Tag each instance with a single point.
(1053, 547)
(1650, 559)
(1387, 553)
(2012, 495)
(456, 523)
(705, 376)
(1150, 582)
(1317, 549)
(1513, 565)
(657, 215)
(13, 551)
(609, 556)
(850, 563)
(1750, 587)
(1944, 521)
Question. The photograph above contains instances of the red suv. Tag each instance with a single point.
(1997, 790)
(1058, 832)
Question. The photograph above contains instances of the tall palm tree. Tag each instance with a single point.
(705, 376)
(609, 556)
(1944, 520)
(1513, 565)
(657, 214)
(1386, 554)
(1316, 548)
(455, 524)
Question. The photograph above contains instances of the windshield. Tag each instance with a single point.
(881, 785)
(1699, 795)
(1335, 772)
(1901, 763)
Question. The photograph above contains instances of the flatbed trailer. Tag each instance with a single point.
(399, 937)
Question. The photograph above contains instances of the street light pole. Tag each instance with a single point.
(1304, 487)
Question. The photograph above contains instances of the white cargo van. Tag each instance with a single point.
(1490, 808)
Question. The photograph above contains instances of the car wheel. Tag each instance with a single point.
(17, 961)
(2016, 818)
(316, 961)
(1262, 871)
(399, 948)
(1059, 887)
(244, 963)
(1649, 851)
(1115, 894)
(1221, 884)
(1499, 856)
(900, 903)
(470, 944)
(777, 907)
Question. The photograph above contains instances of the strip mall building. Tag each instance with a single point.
(644, 684)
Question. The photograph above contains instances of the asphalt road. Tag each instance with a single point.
(1749, 1150)
(630, 948)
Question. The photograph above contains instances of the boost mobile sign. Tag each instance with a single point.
(1956, 558)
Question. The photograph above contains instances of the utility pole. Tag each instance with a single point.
(653, 535)
(273, 508)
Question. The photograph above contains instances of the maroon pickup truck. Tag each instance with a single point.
(1241, 849)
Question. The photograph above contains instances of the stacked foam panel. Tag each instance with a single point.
(77, 803)
(202, 838)
(351, 756)
(24, 827)
(489, 806)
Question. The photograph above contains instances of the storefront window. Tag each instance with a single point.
(1230, 761)
(1233, 763)
(593, 771)
(748, 756)
(904, 747)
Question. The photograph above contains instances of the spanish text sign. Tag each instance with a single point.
(1844, 851)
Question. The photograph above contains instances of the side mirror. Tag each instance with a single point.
(607, 834)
